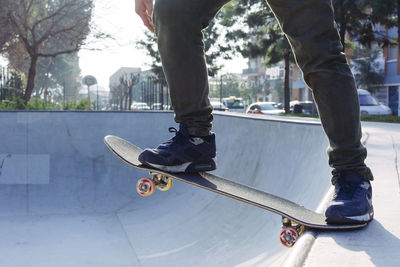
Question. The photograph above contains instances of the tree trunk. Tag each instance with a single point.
(121, 102)
(286, 86)
(31, 79)
(126, 99)
(130, 97)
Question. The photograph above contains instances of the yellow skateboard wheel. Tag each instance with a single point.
(166, 184)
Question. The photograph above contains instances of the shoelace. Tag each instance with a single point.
(175, 138)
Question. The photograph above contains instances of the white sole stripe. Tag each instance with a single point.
(361, 218)
(177, 168)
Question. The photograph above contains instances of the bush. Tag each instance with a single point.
(73, 105)
(381, 118)
(40, 104)
(18, 103)
(15, 103)
(70, 105)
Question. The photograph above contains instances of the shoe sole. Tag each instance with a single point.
(339, 219)
(188, 167)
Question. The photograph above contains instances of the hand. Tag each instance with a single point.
(144, 8)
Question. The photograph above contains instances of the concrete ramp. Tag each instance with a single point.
(65, 200)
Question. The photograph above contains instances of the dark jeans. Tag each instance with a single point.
(311, 31)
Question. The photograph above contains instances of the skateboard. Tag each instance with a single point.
(295, 218)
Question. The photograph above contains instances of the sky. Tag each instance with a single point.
(119, 19)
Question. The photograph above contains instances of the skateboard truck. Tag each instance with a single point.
(290, 232)
(146, 186)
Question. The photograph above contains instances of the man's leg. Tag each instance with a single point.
(311, 31)
(179, 25)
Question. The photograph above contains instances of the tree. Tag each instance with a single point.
(122, 93)
(367, 73)
(5, 29)
(351, 17)
(227, 85)
(383, 13)
(60, 73)
(213, 51)
(256, 33)
(359, 18)
(149, 44)
(253, 31)
(45, 29)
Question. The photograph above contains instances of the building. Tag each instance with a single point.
(152, 92)
(269, 81)
(389, 94)
(147, 89)
(122, 72)
(255, 76)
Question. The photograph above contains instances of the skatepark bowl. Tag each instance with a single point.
(65, 200)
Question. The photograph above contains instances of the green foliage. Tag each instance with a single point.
(39, 32)
(359, 17)
(214, 50)
(252, 30)
(83, 104)
(381, 118)
(232, 86)
(383, 12)
(15, 103)
(367, 73)
(60, 72)
(349, 46)
(74, 105)
(18, 103)
(40, 104)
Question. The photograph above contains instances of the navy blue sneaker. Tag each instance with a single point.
(182, 153)
(352, 201)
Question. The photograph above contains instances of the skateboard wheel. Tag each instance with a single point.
(288, 236)
(165, 183)
(145, 187)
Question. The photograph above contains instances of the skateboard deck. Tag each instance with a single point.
(294, 216)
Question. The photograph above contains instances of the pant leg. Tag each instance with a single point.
(310, 28)
(180, 42)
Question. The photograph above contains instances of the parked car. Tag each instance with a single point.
(156, 106)
(370, 106)
(234, 104)
(305, 107)
(270, 108)
(218, 106)
(139, 106)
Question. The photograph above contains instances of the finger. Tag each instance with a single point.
(146, 20)
(151, 24)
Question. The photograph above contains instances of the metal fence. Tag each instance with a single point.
(154, 95)
(10, 84)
